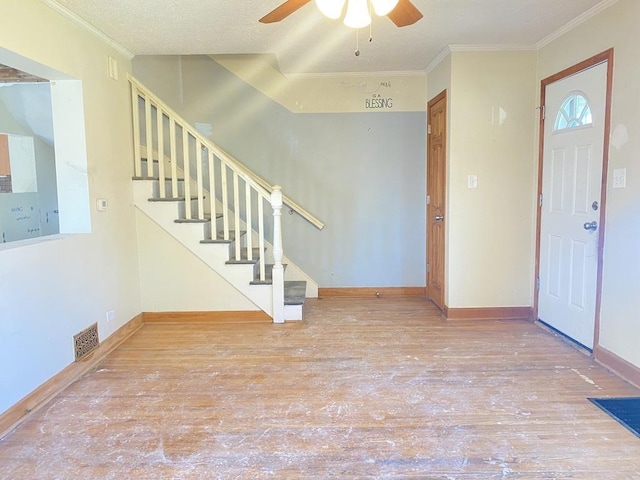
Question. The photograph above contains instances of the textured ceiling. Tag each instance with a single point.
(306, 42)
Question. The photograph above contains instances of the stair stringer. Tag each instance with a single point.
(189, 235)
(293, 271)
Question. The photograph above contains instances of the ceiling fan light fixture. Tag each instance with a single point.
(331, 8)
(357, 15)
(383, 7)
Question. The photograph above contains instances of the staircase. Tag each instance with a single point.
(215, 207)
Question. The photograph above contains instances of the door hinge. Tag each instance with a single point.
(538, 284)
(540, 201)
(428, 199)
(429, 129)
(542, 111)
(427, 268)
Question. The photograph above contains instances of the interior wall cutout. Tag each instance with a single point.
(38, 195)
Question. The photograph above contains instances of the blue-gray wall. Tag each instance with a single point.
(25, 109)
(362, 174)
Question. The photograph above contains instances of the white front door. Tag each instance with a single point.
(571, 189)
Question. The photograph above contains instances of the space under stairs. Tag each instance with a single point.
(216, 208)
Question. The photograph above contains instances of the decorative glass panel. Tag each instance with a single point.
(575, 112)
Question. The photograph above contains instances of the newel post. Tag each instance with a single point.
(278, 269)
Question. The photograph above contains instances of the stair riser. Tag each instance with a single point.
(168, 189)
(293, 313)
(153, 172)
(182, 209)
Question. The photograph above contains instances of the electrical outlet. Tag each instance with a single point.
(111, 314)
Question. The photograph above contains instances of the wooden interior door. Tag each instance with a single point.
(436, 196)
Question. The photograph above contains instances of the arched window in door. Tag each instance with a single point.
(575, 112)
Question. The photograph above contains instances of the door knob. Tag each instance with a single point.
(591, 226)
(439, 218)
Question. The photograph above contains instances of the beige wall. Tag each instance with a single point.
(490, 243)
(329, 94)
(615, 27)
(174, 279)
(439, 78)
(52, 289)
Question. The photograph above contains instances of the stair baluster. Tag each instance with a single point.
(278, 253)
(186, 167)
(212, 194)
(148, 135)
(174, 158)
(137, 157)
(160, 132)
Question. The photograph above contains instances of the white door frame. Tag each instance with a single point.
(604, 57)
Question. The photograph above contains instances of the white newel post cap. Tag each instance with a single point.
(276, 196)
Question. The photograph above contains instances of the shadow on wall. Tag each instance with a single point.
(362, 174)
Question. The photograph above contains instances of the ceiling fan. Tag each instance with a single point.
(403, 14)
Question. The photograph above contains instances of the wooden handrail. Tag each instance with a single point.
(260, 184)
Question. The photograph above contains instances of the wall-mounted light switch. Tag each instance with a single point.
(101, 204)
(472, 181)
(113, 68)
(620, 178)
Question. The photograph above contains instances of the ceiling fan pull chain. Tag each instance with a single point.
(357, 52)
(370, 24)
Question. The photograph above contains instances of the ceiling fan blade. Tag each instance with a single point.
(283, 11)
(404, 14)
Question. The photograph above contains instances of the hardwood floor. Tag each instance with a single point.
(373, 388)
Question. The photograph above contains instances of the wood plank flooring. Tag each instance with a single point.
(379, 388)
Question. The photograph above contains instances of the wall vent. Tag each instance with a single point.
(86, 341)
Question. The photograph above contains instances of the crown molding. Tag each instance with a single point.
(580, 19)
(88, 27)
(496, 47)
(444, 53)
(401, 73)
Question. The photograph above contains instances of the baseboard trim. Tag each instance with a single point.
(249, 316)
(364, 292)
(22, 410)
(618, 365)
(488, 313)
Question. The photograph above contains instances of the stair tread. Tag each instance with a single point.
(206, 219)
(243, 257)
(208, 241)
(156, 178)
(171, 199)
(220, 237)
(268, 275)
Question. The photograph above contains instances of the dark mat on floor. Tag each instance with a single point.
(624, 410)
